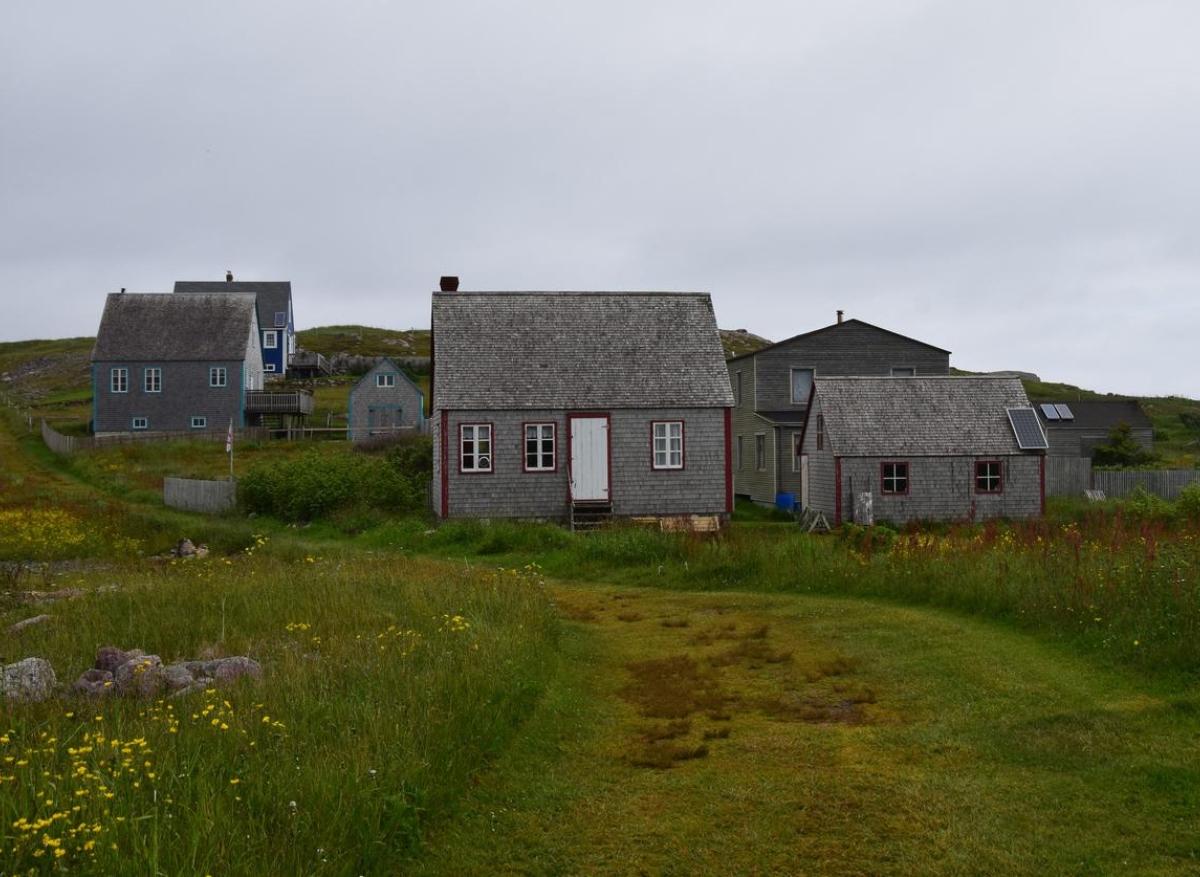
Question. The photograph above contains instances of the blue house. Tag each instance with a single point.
(276, 325)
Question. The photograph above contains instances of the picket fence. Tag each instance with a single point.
(1071, 476)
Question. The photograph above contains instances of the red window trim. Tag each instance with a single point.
(907, 478)
(525, 453)
(999, 488)
(491, 433)
(682, 447)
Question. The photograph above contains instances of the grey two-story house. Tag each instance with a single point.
(174, 363)
(772, 385)
(273, 305)
(579, 406)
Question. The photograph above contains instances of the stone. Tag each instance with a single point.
(202, 551)
(185, 548)
(177, 677)
(198, 685)
(110, 657)
(51, 596)
(142, 676)
(28, 623)
(29, 681)
(226, 670)
(95, 683)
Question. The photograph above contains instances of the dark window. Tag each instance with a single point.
(740, 459)
(903, 371)
(820, 432)
(152, 380)
(760, 452)
(894, 478)
(539, 447)
(476, 447)
(119, 382)
(989, 476)
(218, 376)
(281, 318)
(387, 379)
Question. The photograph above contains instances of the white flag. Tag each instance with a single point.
(229, 438)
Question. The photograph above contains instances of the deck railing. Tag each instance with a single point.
(279, 402)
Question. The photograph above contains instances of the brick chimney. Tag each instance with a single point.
(449, 283)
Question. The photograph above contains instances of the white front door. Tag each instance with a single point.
(589, 458)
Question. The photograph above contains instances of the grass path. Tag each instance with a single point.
(810, 735)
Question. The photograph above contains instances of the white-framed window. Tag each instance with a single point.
(218, 376)
(199, 422)
(385, 379)
(760, 452)
(141, 423)
(741, 460)
(802, 381)
(118, 380)
(269, 367)
(475, 447)
(152, 380)
(270, 339)
(903, 371)
(668, 444)
(281, 319)
(797, 450)
(539, 447)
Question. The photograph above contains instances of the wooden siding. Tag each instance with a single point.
(1076, 441)
(822, 493)
(747, 481)
(637, 489)
(209, 497)
(185, 394)
(943, 489)
(405, 395)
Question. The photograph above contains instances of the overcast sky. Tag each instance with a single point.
(1014, 181)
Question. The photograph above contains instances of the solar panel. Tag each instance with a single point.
(1027, 428)
(1065, 412)
(1050, 412)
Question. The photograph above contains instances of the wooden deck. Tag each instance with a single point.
(286, 402)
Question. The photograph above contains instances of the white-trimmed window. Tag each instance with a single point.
(539, 447)
(475, 447)
(668, 444)
(385, 379)
(199, 422)
(269, 367)
(802, 381)
(152, 380)
(218, 376)
(118, 380)
(141, 423)
(270, 339)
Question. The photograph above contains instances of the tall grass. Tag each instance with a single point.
(387, 685)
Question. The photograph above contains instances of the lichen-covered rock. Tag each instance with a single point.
(28, 623)
(95, 683)
(226, 670)
(110, 657)
(142, 676)
(177, 677)
(29, 681)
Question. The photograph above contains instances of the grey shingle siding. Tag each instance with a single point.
(636, 488)
(366, 395)
(160, 326)
(821, 481)
(185, 393)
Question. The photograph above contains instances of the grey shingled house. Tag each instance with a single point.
(384, 401)
(578, 405)
(1076, 428)
(273, 302)
(771, 387)
(173, 363)
(936, 448)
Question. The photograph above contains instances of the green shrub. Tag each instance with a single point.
(1143, 505)
(317, 484)
(1188, 503)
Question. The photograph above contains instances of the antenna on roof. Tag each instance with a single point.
(228, 276)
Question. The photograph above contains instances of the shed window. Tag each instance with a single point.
(539, 447)
(668, 444)
(199, 422)
(218, 376)
(989, 476)
(894, 478)
(760, 452)
(386, 379)
(118, 381)
(802, 380)
(270, 339)
(820, 432)
(141, 423)
(152, 380)
(475, 444)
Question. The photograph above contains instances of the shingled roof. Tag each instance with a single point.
(1099, 414)
(917, 417)
(160, 327)
(521, 350)
(272, 296)
(837, 327)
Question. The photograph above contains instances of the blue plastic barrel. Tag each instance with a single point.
(786, 501)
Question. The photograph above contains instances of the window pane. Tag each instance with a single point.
(801, 384)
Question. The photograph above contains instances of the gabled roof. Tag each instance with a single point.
(834, 328)
(586, 350)
(160, 327)
(1099, 414)
(915, 417)
(389, 365)
(272, 295)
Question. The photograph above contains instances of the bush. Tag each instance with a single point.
(1188, 503)
(318, 484)
(1122, 449)
(1143, 505)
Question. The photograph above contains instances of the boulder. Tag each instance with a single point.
(177, 677)
(110, 657)
(198, 684)
(95, 683)
(28, 622)
(184, 548)
(142, 676)
(29, 681)
(226, 670)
